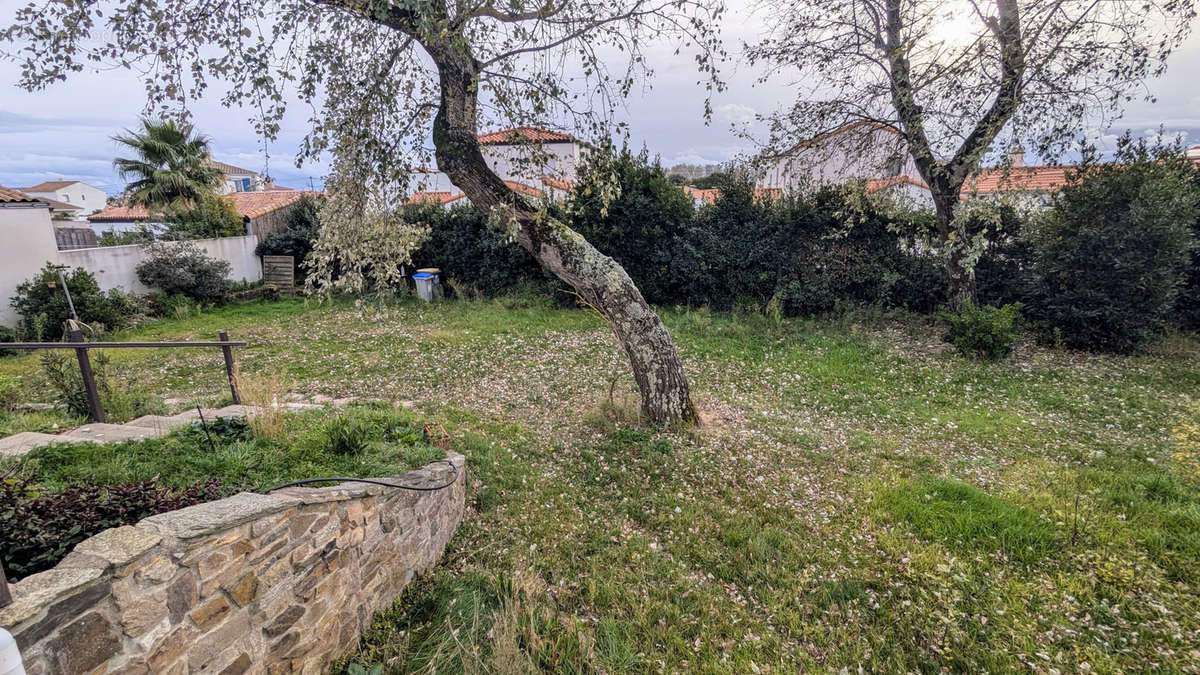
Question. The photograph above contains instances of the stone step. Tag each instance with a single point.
(230, 411)
(159, 422)
(189, 416)
(112, 433)
(19, 444)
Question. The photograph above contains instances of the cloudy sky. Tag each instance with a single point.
(65, 131)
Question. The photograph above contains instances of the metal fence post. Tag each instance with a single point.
(223, 336)
(85, 369)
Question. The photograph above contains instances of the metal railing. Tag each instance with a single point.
(81, 347)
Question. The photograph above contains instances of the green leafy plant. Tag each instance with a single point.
(121, 400)
(300, 228)
(183, 268)
(346, 437)
(44, 310)
(209, 217)
(356, 669)
(38, 528)
(983, 331)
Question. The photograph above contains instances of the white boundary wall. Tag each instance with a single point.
(114, 266)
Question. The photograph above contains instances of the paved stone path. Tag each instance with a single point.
(146, 426)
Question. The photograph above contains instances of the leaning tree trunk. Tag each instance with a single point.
(598, 279)
(959, 277)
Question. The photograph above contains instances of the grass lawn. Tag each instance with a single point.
(857, 496)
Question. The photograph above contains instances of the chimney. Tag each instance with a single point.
(1016, 156)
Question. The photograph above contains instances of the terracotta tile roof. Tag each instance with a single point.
(527, 190)
(558, 183)
(524, 135)
(11, 196)
(247, 204)
(120, 214)
(51, 186)
(228, 169)
(1019, 179)
(254, 204)
(435, 197)
(710, 195)
(876, 184)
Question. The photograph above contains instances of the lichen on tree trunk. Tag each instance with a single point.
(597, 278)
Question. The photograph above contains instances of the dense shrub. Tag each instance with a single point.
(121, 400)
(211, 217)
(807, 254)
(627, 207)
(1111, 254)
(183, 268)
(1188, 306)
(39, 528)
(1003, 273)
(44, 311)
(300, 229)
(983, 331)
(470, 253)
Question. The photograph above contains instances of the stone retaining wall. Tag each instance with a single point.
(280, 583)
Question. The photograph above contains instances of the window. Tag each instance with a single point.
(245, 185)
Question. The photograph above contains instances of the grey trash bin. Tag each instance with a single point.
(428, 286)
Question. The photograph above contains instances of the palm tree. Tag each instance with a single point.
(172, 168)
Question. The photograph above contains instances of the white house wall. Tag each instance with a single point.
(839, 158)
(115, 266)
(26, 244)
(87, 198)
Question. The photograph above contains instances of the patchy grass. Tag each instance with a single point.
(968, 518)
(792, 532)
(239, 459)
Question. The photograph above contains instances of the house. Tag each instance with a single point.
(857, 151)
(523, 157)
(29, 243)
(236, 179)
(85, 198)
(262, 212)
(707, 196)
(527, 154)
(904, 189)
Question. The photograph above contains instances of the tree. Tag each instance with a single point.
(171, 168)
(386, 76)
(956, 79)
(208, 217)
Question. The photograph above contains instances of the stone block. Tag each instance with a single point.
(84, 644)
(244, 589)
(172, 647)
(211, 612)
(20, 444)
(119, 545)
(36, 592)
(168, 422)
(282, 623)
(111, 433)
(181, 597)
(142, 615)
(212, 517)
